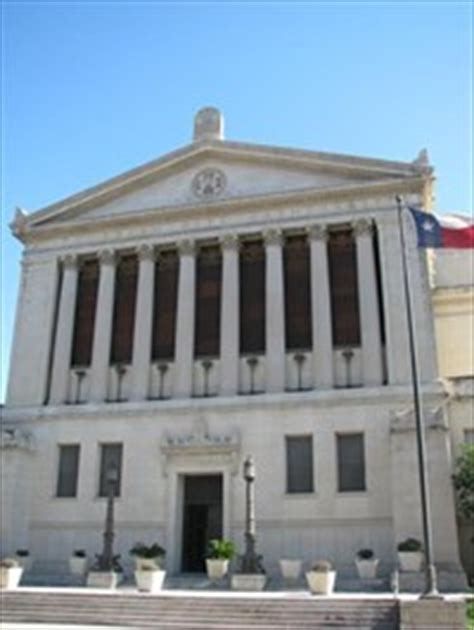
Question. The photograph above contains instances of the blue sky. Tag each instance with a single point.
(90, 89)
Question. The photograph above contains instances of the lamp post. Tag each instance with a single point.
(251, 562)
(106, 560)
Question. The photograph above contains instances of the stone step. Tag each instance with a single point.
(159, 611)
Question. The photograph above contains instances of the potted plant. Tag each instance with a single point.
(149, 572)
(221, 551)
(321, 578)
(78, 562)
(10, 573)
(290, 569)
(366, 564)
(410, 554)
(23, 557)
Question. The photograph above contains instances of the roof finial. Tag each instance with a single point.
(208, 125)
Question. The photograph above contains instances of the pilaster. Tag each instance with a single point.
(372, 371)
(143, 323)
(184, 349)
(64, 331)
(103, 327)
(274, 313)
(321, 308)
(229, 342)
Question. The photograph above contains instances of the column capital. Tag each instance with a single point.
(145, 252)
(362, 227)
(187, 247)
(230, 242)
(69, 261)
(317, 232)
(273, 237)
(107, 257)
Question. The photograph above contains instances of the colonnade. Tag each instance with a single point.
(323, 373)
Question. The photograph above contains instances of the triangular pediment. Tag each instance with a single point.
(215, 172)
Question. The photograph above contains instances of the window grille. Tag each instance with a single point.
(68, 471)
(84, 318)
(252, 298)
(351, 462)
(299, 464)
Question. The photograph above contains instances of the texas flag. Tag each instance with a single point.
(448, 230)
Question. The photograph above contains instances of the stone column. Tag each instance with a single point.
(143, 323)
(230, 307)
(395, 307)
(274, 313)
(184, 348)
(321, 323)
(372, 371)
(64, 332)
(103, 327)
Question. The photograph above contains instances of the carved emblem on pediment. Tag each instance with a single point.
(209, 183)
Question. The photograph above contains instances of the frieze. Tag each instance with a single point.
(201, 441)
(14, 438)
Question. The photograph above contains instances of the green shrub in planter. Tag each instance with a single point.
(365, 554)
(221, 549)
(410, 545)
(150, 556)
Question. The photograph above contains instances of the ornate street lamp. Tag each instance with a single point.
(250, 561)
(106, 561)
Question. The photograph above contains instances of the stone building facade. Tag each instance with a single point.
(226, 299)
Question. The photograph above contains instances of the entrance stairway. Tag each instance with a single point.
(197, 612)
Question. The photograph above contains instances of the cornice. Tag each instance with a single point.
(226, 206)
(222, 150)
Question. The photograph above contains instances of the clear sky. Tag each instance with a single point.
(91, 89)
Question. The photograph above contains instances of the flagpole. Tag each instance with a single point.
(431, 587)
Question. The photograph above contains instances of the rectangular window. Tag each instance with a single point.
(350, 462)
(68, 470)
(110, 459)
(252, 298)
(164, 308)
(124, 309)
(208, 302)
(344, 288)
(299, 463)
(84, 318)
(469, 436)
(297, 293)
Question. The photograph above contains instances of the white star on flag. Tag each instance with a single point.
(428, 226)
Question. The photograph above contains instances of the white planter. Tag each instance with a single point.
(151, 564)
(248, 582)
(290, 569)
(10, 577)
(102, 579)
(367, 569)
(321, 583)
(410, 560)
(25, 562)
(216, 568)
(150, 581)
(78, 566)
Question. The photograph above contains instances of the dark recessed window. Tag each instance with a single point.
(68, 470)
(208, 302)
(296, 261)
(110, 459)
(351, 462)
(164, 308)
(124, 309)
(252, 298)
(84, 318)
(299, 463)
(344, 288)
